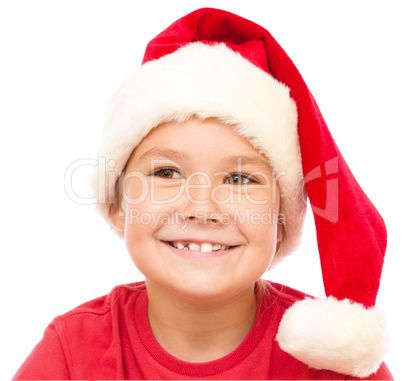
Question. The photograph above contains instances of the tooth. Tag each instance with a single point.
(206, 247)
(194, 246)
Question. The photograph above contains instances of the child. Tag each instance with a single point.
(209, 150)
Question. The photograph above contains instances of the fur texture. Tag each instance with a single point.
(341, 336)
(208, 81)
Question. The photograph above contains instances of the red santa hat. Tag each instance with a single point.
(212, 63)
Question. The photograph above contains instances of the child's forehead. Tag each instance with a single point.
(180, 140)
(176, 128)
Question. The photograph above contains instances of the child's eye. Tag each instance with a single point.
(167, 173)
(239, 179)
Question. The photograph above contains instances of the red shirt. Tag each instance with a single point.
(110, 338)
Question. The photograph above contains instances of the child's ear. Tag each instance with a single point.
(118, 217)
(279, 233)
(279, 237)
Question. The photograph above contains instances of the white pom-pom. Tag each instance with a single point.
(333, 334)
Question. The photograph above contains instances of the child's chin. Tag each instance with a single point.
(200, 291)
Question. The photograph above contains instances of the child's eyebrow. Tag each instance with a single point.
(252, 160)
(157, 153)
(171, 154)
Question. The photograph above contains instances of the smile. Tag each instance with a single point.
(205, 247)
(199, 250)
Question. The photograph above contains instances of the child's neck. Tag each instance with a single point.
(200, 332)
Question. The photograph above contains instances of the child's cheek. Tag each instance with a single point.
(164, 192)
(135, 188)
(257, 198)
(140, 189)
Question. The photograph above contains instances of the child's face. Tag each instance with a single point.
(199, 183)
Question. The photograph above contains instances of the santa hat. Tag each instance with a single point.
(212, 63)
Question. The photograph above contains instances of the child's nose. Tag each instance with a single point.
(199, 201)
(198, 189)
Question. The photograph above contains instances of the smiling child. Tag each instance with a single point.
(210, 148)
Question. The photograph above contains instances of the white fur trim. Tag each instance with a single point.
(341, 336)
(208, 81)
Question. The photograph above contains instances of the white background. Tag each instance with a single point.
(61, 61)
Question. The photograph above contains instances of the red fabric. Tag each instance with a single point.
(350, 232)
(208, 26)
(110, 338)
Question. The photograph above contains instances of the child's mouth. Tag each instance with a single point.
(205, 247)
